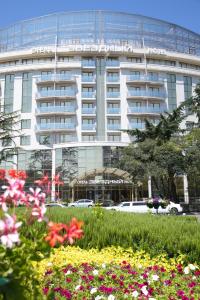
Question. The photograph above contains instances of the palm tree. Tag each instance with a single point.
(168, 126)
(193, 105)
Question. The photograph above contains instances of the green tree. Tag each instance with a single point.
(193, 105)
(8, 132)
(168, 126)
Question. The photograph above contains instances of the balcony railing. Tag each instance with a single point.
(144, 109)
(88, 79)
(114, 126)
(113, 94)
(145, 78)
(88, 126)
(112, 78)
(55, 77)
(146, 93)
(88, 63)
(53, 126)
(112, 63)
(56, 109)
(113, 110)
(134, 125)
(88, 110)
(56, 93)
(88, 94)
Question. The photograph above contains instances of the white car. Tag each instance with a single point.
(141, 207)
(55, 204)
(82, 203)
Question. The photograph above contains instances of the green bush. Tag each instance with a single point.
(153, 233)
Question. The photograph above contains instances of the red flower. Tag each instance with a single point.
(17, 174)
(53, 236)
(2, 174)
(74, 231)
(57, 181)
(71, 232)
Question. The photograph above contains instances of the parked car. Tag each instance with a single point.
(55, 204)
(141, 207)
(82, 203)
(106, 203)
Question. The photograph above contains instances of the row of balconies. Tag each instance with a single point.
(71, 93)
(89, 127)
(92, 110)
(67, 77)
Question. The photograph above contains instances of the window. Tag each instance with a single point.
(25, 140)
(134, 59)
(44, 139)
(26, 124)
(187, 86)
(88, 138)
(8, 93)
(26, 92)
(114, 138)
(171, 87)
(6, 142)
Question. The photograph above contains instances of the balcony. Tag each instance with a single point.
(113, 79)
(88, 110)
(88, 79)
(88, 126)
(56, 93)
(146, 94)
(56, 126)
(113, 110)
(112, 63)
(55, 77)
(146, 110)
(144, 79)
(56, 109)
(114, 126)
(134, 125)
(88, 95)
(113, 94)
(88, 63)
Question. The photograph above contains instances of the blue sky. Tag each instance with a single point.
(182, 12)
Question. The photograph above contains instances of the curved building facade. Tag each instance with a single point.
(80, 79)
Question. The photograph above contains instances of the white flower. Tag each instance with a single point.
(152, 298)
(144, 290)
(193, 277)
(192, 267)
(111, 297)
(155, 277)
(68, 272)
(135, 294)
(98, 297)
(93, 291)
(95, 272)
(186, 270)
(103, 266)
(77, 287)
(49, 264)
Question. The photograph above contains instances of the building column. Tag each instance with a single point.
(185, 189)
(53, 173)
(149, 187)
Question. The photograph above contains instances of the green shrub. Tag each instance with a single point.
(153, 233)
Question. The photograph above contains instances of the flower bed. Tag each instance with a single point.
(115, 273)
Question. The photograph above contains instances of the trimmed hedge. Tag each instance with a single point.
(153, 233)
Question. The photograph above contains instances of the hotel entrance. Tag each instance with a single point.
(104, 184)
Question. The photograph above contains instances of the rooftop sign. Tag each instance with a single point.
(99, 48)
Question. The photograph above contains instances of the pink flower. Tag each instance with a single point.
(3, 203)
(36, 197)
(39, 212)
(14, 191)
(8, 231)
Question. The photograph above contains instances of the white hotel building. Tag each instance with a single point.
(79, 79)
